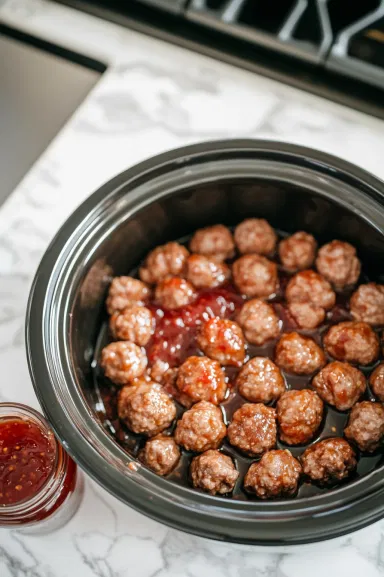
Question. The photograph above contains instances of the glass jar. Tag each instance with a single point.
(51, 504)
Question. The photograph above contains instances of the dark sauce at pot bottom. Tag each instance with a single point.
(174, 340)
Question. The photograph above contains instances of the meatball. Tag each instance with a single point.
(200, 428)
(255, 235)
(366, 425)
(305, 315)
(174, 292)
(308, 286)
(298, 251)
(164, 261)
(213, 472)
(253, 429)
(206, 272)
(123, 361)
(126, 291)
(352, 341)
(329, 460)
(299, 414)
(338, 263)
(161, 454)
(259, 321)
(200, 379)
(277, 474)
(298, 354)
(260, 381)
(213, 241)
(367, 303)
(340, 385)
(145, 408)
(223, 341)
(255, 276)
(376, 380)
(135, 323)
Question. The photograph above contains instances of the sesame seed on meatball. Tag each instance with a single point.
(299, 414)
(200, 428)
(260, 381)
(376, 380)
(145, 408)
(277, 474)
(253, 429)
(338, 263)
(340, 385)
(223, 341)
(215, 241)
(123, 361)
(160, 454)
(367, 303)
(213, 472)
(200, 379)
(174, 292)
(206, 272)
(126, 291)
(164, 261)
(255, 276)
(366, 425)
(298, 354)
(352, 341)
(255, 235)
(259, 321)
(135, 323)
(297, 252)
(330, 460)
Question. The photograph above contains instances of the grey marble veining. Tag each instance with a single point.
(152, 98)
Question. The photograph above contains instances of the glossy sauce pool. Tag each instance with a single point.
(175, 339)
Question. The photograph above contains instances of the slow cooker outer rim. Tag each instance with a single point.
(47, 396)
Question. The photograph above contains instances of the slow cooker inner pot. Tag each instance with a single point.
(288, 208)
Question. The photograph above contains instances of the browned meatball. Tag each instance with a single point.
(259, 321)
(161, 454)
(277, 474)
(366, 425)
(162, 373)
(123, 361)
(213, 472)
(298, 354)
(329, 460)
(126, 291)
(223, 341)
(260, 381)
(200, 379)
(367, 303)
(253, 429)
(145, 408)
(200, 428)
(255, 276)
(376, 380)
(306, 316)
(255, 235)
(352, 341)
(164, 261)
(298, 251)
(338, 263)
(174, 292)
(308, 286)
(299, 414)
(340, 385)
(135, 323)
(213, 241)
(206, 272)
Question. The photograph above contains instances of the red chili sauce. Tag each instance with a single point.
(27, 458)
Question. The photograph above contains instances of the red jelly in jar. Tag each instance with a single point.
(40, 486)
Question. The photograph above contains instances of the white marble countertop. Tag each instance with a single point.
(153, 97)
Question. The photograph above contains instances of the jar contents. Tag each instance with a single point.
(27, 456)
